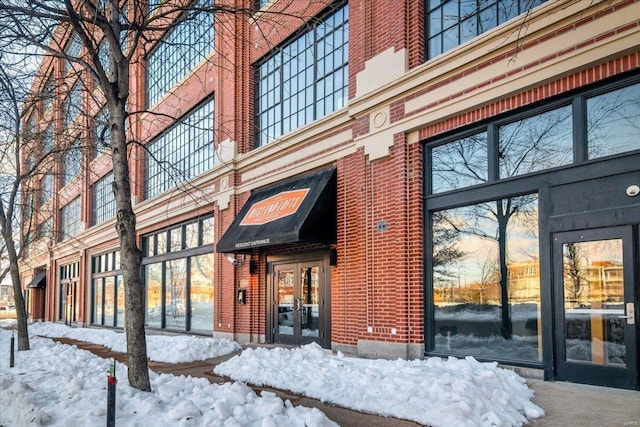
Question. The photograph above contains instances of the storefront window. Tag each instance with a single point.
(180, 283)
(202, 292)
(486, 280)
(153, 275)
(120, 302)
(175, 294)
(108, 290)
(97, 301)
(109, 300)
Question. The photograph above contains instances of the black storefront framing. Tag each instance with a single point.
(178, 271)
(585, 166)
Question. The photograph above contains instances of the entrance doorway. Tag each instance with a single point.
(299, 291)
(594, 290)
(68, 302)
(595, 271)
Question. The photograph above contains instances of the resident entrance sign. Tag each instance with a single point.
(301, 209)
(275, 207)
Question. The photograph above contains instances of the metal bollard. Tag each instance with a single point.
(111, 394)
(11, 358)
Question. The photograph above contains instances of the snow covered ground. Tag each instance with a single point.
(59, 385)
(437, 392)
(55, 384)
(160, 348)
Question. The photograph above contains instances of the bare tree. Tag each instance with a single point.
(114, 36)
(13, 89)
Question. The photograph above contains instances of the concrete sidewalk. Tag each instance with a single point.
(565, 404)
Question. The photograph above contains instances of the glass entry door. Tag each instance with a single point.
(296, 309)
(595, 306)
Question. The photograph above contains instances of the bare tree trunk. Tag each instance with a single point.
(21, 311)
(503, 216)
(130, 255)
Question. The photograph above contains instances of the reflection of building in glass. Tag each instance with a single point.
(601, 281)
(524, 281)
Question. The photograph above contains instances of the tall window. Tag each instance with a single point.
(179, 52)
(182, 152)
(303, 80)
(178, 266)
(107, 286)
(103, 131)
(72, 163)
(103, 205)
(70, 219)
(48, 93)
(486, 285)
(453, 22)
(73, 51)
(104, 56)
(46, 188)
(73, 103)
(47, 142)
(69, 276)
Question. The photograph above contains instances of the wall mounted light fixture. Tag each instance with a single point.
(236, 261)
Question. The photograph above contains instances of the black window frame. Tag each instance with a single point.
(432, 6)
(535, 182)
(168, 256)
(262, 135)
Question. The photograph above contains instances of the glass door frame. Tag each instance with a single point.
(575, 371)
(296, 263)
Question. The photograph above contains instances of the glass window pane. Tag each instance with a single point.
(458, 164)
(120, 302)
(486, 280)
(109, 301)
(153, 278)
(310, 297)
(176, 239)
(207, 231)
(182, 152)
(201, 288)
(285, 301)
(175, 294)
(613, 122)
(97, 302)
(536, 143)
(161, 243)
(477, 17)
(594, 302)
(191, 235)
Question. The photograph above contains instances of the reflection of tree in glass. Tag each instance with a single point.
(473, 220)
(536, 143)
(445, 250)
(613, 122)
(203, 265)
(176, 280)
(575, 273)
(460, 163)
(489, 274)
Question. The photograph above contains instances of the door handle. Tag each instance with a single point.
(631, 314)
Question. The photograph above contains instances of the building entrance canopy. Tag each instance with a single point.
(39, 281)
(302, 209)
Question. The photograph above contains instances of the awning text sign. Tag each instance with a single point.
(275, 207)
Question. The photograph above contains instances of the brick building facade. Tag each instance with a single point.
(402, 132)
